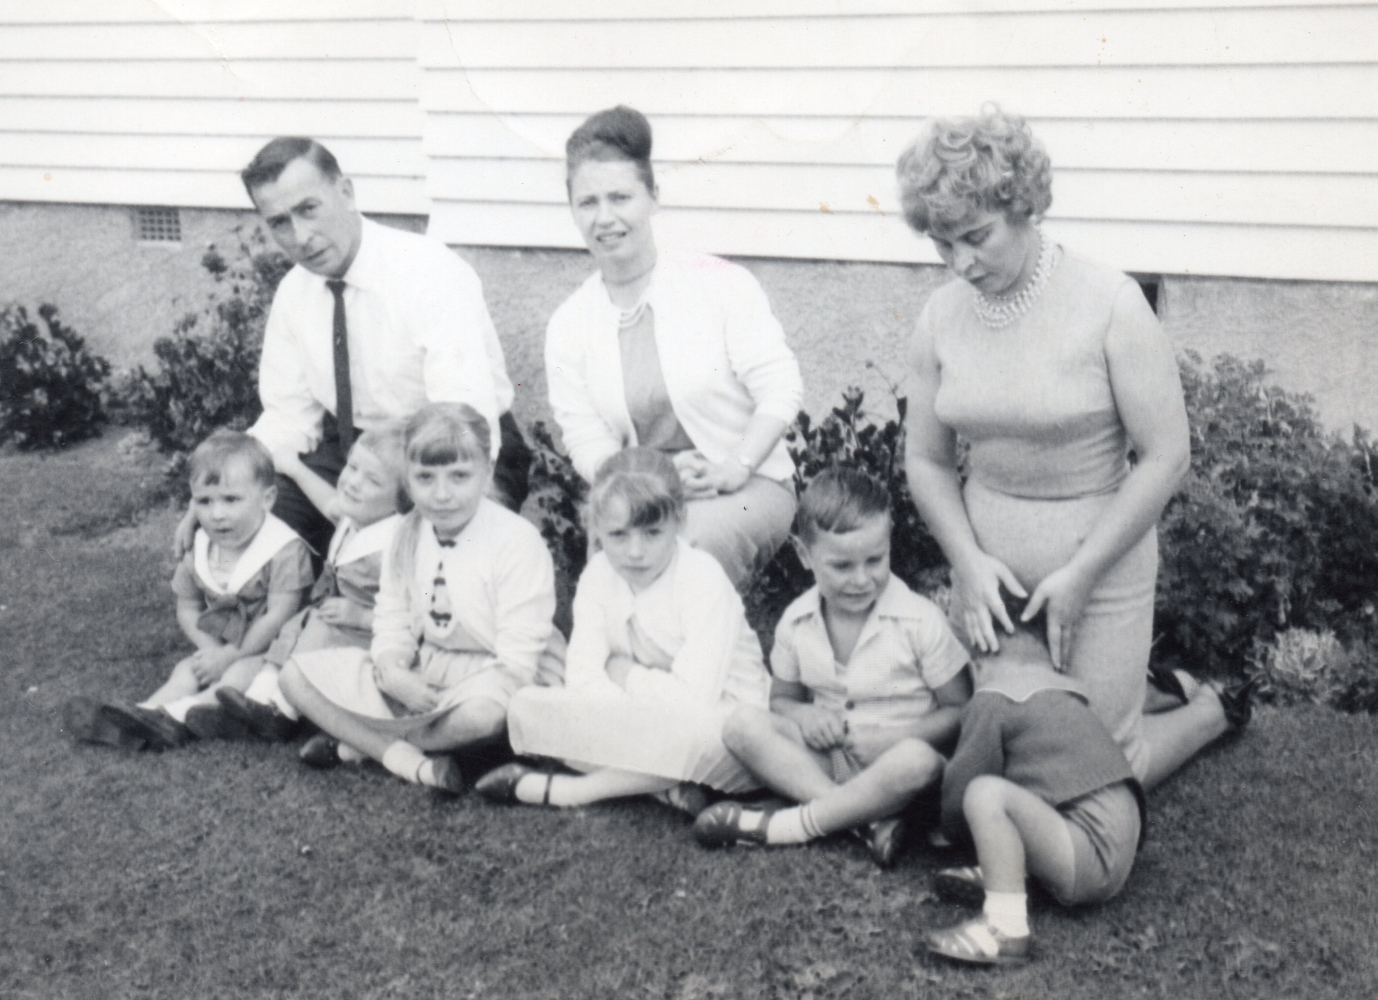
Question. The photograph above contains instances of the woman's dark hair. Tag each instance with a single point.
(619, 133)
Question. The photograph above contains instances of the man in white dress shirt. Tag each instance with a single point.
(372, 323)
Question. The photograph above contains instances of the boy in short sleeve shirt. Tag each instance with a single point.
(868, 685)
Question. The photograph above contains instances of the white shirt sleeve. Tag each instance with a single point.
(452, 326)
(700, 668)
(524, 601)
(587, 436)
(761, 358)
(392, 617)
(586, 663)
(291, 415)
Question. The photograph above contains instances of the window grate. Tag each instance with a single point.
(159, 225)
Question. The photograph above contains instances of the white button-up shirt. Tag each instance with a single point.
(419, 332)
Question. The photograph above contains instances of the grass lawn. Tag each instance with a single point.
(229, 870)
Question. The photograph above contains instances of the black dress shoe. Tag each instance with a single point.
(264, 721)
(1167, 681)
(211, 722)
(321, 751)
(1237, 700)
(500, 784)
(160, 730)
(82, 720)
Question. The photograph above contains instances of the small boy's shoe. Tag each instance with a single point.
(885, 839)
(82, 720)
(321, 751)
(965, 885)
(160, 730)
(211, 722)
(264, 721)
(721, 825)
(978, 942)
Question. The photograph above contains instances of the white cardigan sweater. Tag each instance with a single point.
(722, 351)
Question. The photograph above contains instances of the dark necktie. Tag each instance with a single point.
(344, 396)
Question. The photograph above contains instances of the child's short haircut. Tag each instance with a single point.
(838, 500)
(209, 460)
(442, 433)
(645, 479)
(388, 443)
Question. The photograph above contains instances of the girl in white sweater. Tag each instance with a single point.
(661, 654)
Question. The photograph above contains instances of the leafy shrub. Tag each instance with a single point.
(850, 436)
(1301, 665)
(50, 384)
(207, 372)
(1274, 527)
(560, 493)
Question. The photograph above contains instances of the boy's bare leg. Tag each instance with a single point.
(1015, 833)
(884, 788)
(771, 747)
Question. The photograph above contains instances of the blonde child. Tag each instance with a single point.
(660, 654)
(364, 506)
(244, 576)
(462, 620)
(868, 681)
(1045, 792)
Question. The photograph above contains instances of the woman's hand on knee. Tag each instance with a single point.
(976, 599)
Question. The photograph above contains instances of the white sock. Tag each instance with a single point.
(531, 789)
(1008, 912)
(178, 709)
(266, 691)
(791, 826)
(404, 760)
(1190, 685)
(349, 755)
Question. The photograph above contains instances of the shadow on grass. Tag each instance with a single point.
(228, 870)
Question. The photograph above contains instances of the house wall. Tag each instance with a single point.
(161, 102)
(1220, 138)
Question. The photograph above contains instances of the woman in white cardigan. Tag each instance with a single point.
(676, 352)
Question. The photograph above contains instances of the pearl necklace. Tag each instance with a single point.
(630, 317)
(997, 313)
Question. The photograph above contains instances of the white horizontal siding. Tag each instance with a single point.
(140, 102)
(1281, 36)
(1237, 139)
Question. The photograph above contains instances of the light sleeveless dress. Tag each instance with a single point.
(1048, 453)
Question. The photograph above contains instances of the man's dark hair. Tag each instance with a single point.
(270, 161)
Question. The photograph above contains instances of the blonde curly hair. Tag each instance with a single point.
(990, 162)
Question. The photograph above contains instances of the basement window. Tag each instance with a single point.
(158, 225)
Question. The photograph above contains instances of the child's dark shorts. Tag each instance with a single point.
(1105, 837)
